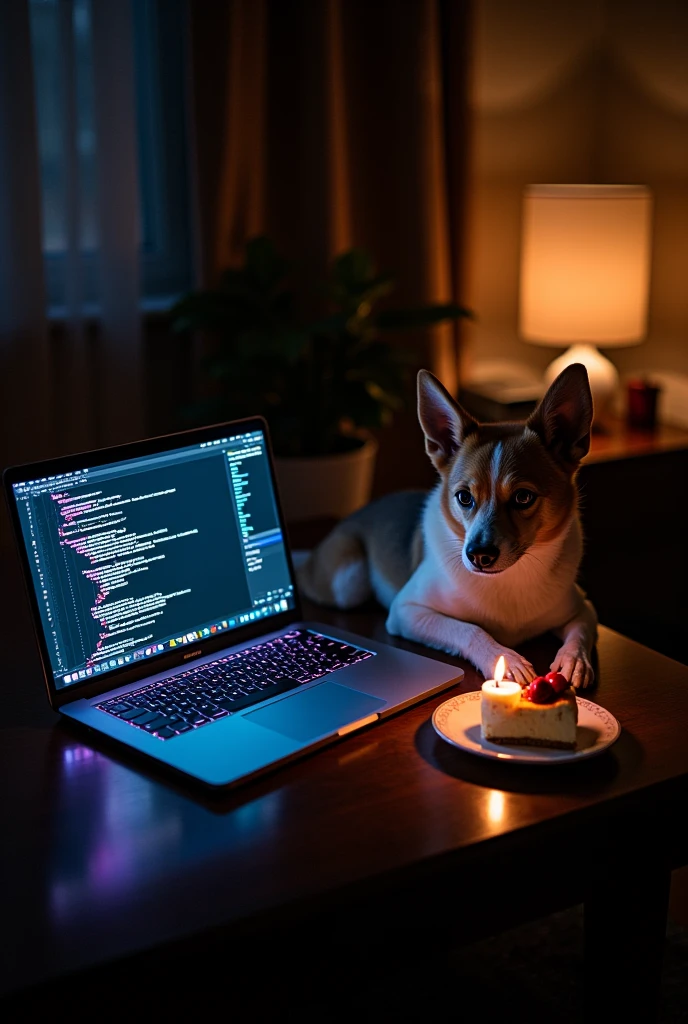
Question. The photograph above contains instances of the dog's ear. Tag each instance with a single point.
(563, 418)
(445, 424)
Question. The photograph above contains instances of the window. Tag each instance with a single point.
(159, 56)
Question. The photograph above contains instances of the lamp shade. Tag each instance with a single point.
(585, 264)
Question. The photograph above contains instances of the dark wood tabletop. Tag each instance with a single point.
(391, 835)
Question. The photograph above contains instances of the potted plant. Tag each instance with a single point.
(322, 385)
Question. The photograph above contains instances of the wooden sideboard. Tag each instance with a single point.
(634, 496)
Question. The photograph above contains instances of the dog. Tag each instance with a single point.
(490, 557)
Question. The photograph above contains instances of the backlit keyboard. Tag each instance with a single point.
(212, 691)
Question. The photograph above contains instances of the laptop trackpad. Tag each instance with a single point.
(322, 709)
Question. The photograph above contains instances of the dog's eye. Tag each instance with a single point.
(464, 498)
(523, 498)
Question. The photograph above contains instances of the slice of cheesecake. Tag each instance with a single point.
(525, 723)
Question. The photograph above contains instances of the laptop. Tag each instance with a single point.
(167, 616)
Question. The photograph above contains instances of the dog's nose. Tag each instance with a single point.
(482, 555)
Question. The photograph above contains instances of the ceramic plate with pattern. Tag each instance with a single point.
(457, 721)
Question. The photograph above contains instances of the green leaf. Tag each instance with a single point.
(209, 310)
(358, 404)
(293, 344)
(334, 324)
(350, 295)
(421, 316)
(281, 305)
(268, 348)
(263, 264)
(377, 289)
(383, 397)
(233, 282)
(353, 268)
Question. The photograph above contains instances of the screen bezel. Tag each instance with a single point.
(166, 661)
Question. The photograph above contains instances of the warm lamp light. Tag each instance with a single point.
(585, 271)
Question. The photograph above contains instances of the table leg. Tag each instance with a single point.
(625, 931)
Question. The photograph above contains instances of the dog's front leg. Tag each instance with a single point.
(578, 635)
(427, 626)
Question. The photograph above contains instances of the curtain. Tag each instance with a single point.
(120, 370)
(69, 386)
(26, 413)
(333, 123)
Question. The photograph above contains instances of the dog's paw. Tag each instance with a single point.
(517, 667)
(573, 661)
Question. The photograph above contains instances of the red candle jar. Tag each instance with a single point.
(642, 404)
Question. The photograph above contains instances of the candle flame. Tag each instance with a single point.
(499, 669)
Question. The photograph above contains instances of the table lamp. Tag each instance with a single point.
(585, 270)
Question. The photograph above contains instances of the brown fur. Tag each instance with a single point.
(523, 464)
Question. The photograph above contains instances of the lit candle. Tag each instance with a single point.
(499, 694)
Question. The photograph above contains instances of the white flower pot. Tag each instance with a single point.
(326, 485)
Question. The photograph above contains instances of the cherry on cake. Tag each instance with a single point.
(542, 714)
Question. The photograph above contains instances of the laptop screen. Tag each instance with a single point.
(132, 559)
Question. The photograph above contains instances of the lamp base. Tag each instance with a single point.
(602, 374)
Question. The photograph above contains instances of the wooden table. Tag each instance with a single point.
(385, 848)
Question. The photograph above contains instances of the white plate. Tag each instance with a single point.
(458, 722)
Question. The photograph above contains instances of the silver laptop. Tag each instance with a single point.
(165, 608)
